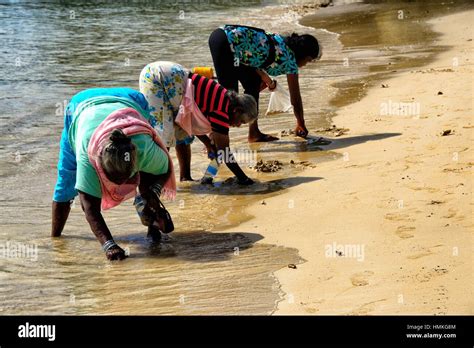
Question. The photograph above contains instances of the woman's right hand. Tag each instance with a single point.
(116, 253)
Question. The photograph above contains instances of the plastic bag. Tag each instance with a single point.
(279, 101)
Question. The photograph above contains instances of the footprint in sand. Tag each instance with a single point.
(420, 255)
(311, 310)
(360, 279)
(366, 307)
(398, 217)
(404, 232)
(424, 188)
(453, 213)
(422, 252)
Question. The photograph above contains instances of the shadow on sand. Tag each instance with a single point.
(336, 143)
(263, 187)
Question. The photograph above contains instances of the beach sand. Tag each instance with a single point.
(387, 228)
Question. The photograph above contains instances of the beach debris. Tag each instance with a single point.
(339, 253)
(263, 203)
(436, 202)
(447, 132)
(287, 132)
(334, 130)
(384, 85)
(302, 164)
(267, 166)
(440, 93)
(292, 266)
(318, 141)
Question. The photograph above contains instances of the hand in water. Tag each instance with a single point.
(116, 253)
(301, 131)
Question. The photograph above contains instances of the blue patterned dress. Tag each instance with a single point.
(251, 48)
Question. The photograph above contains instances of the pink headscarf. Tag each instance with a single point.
(130, 122)
(190, 117)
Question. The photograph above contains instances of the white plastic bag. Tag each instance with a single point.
(279, 101)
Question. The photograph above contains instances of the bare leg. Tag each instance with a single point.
(183, 152)
(60, 213)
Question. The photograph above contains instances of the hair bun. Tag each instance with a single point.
(118, 136)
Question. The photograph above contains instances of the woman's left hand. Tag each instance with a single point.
(301, 131)
(272, 85)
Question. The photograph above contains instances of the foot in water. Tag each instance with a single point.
(154, 234)
(261, 138)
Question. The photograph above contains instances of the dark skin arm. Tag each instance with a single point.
(221, 142)
(207, 142)
(296, 101)
(91, 207)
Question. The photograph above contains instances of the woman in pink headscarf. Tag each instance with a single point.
(108, 150)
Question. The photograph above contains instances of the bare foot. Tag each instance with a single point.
(262, 138)
(187, 178)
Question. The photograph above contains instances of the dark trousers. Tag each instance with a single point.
(228, 74)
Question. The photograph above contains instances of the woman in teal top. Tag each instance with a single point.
(250, 55)
(123, 159)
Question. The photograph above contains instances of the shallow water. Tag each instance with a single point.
(51, 50)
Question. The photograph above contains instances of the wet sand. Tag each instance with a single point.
(388, 227)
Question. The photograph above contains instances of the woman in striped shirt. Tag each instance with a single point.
(164, 86)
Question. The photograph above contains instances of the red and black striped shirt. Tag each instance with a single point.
(211, 98)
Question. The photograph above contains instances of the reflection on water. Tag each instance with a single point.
(52, 49)
(195, 272)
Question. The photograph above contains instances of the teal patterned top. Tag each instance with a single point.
(251, 48)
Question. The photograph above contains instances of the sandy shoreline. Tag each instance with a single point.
(399, 199)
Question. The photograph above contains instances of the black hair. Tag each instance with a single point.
(303, 46)
(118, 157)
